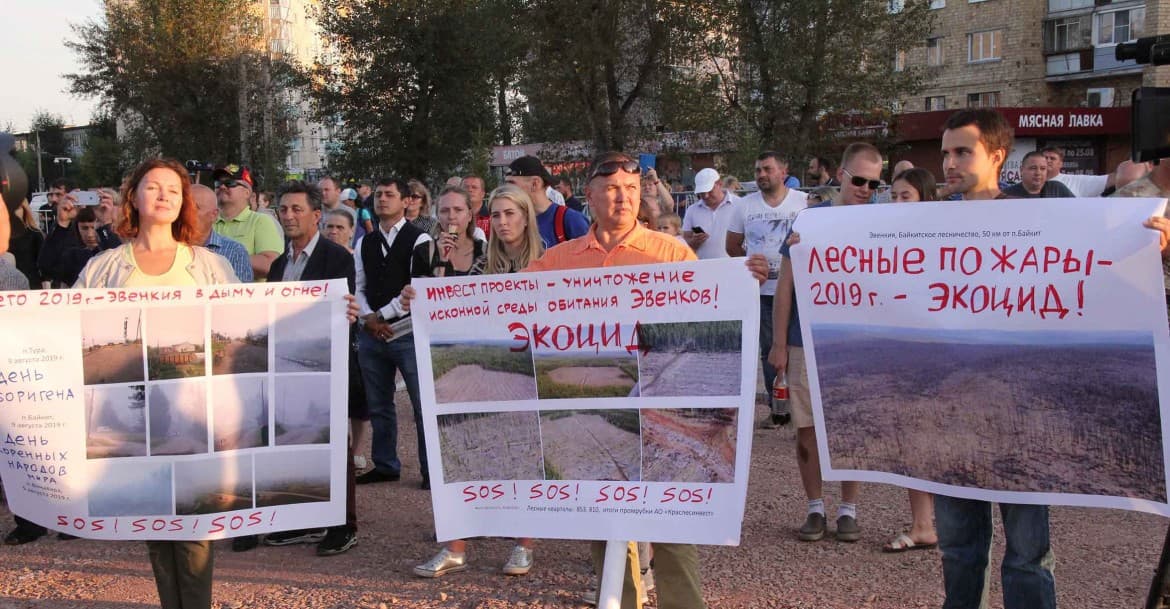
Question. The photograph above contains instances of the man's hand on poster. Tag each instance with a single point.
(352, 310)
(407, 295)
(793, 238)
(757, 264)
(1162, 225)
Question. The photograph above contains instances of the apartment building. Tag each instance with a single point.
(294, 35)
(1048, 65)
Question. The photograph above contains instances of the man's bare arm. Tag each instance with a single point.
(735, 245)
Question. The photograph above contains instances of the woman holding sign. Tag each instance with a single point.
(514, 243)
(159, 220)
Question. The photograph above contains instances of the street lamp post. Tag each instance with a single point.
(63, 161)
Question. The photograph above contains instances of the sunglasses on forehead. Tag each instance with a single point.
(609, 168)
(859, 181)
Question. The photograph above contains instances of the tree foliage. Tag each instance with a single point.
(190, 79)
(101, 163)
(410, 84)
(783, 67)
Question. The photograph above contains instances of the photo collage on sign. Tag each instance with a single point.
(184, 406)
(652, 444)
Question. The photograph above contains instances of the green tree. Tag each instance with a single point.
(101, 163)
(190, 79)
(786, 69)
(410, 84)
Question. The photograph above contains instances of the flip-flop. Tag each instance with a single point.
(902, 543)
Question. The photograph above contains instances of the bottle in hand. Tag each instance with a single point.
(780, 411)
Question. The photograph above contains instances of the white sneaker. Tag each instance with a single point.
(519, 562)
(359, 462)
(444, 562)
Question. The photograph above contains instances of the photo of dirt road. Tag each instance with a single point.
(284, 478)
(1058, 412)
(301, 332)
(586, 375)
(302, 409)
(591, 444)
(491, 446)
(178, 418)
(129, 488)
(175, 342)
(218, 484)
(239, 339)
(688, 444)
(111, 346)
(240, 412)
(702, 358)
(481, 371)
(115, 421)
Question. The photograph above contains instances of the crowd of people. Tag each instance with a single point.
(160, 228)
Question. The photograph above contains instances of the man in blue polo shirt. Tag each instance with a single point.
(557, 223)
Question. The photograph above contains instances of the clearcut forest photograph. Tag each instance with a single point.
(690, 358)
(491, 446)
(481, 371)
(1056, 412)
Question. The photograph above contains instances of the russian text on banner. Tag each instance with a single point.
(1008, 350)
(608, 403)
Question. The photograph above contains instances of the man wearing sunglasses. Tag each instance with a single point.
(758, 224)
(258, 233)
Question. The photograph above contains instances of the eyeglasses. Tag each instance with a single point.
(859, 181)
(609, 168)
(230, 183)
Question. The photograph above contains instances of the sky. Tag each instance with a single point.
(34, 35)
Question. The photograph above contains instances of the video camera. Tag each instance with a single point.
(1150, 120)
(195, 166)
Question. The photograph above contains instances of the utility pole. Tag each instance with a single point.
(40, 174)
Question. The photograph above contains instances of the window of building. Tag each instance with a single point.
(984, 46)
(934, 52)
(895, 6)
(1067, 63)
(1055, 6)
(938, 3)
(1068, 34)
(899, 61)
(987, 99)
(936, 102)
(1120, 26)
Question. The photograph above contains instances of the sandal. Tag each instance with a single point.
(902, 543)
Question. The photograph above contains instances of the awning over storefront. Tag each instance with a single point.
(1027, 122)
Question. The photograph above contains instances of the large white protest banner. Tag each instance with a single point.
(609, 403)
(1011, 350)
(175, 413)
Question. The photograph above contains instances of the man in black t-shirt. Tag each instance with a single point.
(1034, 182)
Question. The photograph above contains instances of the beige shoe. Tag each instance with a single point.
(520, 562)
(443, 563)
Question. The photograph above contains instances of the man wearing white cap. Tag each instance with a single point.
(705, 224)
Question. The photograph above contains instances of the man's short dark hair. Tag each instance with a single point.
(1054, 150)
(63, 183)
(857, 149)
(1039, 153)
(564, 179)
(772, 154)
(825, 164)
(367, 183)
(86, 215)
(311, 191)
(994, 130)
(401, 184)
(330, 178)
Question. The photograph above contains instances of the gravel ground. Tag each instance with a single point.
(1105, 558)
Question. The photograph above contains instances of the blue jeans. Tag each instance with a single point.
(964, 536)
(766, 345)
(379, 360)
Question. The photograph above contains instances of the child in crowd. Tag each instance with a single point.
(671, 224)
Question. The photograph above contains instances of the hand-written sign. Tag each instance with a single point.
(1001, 350)
(175, 413)
(590, 404)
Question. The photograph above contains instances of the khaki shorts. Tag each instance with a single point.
(799, 398)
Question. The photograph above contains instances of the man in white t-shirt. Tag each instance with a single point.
(705, 226)
(759, 223)
(1081, 185)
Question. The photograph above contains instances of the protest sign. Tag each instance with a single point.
(1009, 350)
(609, 403)
(175, 413)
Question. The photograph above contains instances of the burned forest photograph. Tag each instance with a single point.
(1038, 411)
(491, 446)
(689, 444)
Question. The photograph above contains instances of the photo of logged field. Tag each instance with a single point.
(219, 484)
(178, 418)
(285, 478)
(1011, 411)
(175, 343)
(111, 346)
(491, 446)
(481, 371)
(691, 358)
(586, 375)
(239, 339)
(240, 412)
(591, 444)
(688, 444)
(302, 409)
(302, 337)
(115, 421)
(129, 488)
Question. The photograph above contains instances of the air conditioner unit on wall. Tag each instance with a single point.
(1099, 97)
